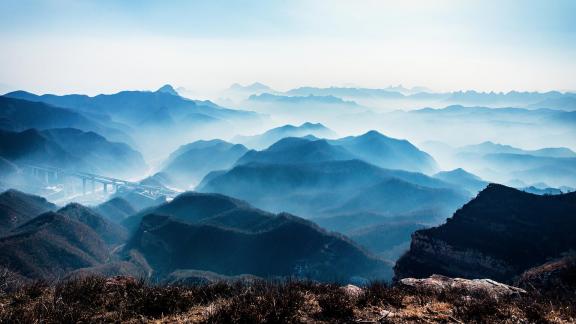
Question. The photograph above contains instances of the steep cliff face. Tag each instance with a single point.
(497, 235)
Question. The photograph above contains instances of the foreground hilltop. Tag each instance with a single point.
(499, 235)
(123, 299)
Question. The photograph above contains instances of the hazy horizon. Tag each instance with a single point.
(97, 47)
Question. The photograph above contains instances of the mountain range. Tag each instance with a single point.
(193, 232)
(19, 115)
(372, 147)
(139, 108)
(216, 233)
(300, 100)
(334, 193)
(40, 241)
(495, 148)
(551, 99)
(553, 166)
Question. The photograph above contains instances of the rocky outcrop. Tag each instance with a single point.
(438, 284)
(498, 235)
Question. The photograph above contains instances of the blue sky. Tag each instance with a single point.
(103, 46)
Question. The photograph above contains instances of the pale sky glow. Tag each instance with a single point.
(92, 47)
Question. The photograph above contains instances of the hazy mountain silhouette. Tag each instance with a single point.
(398, 196)
(494, 148)
(253, 88)
(17, 208)
(297, 150)
(273, 135)
(220, 234)
(301, 100)
(71, 149)
(138, 201)
(389, 240)
(387, 152)
(351, 222)
(567, 103)
(310, 189)
(109, 157)
(504, 163)
(371, 147)
(136, 108)
(493, 116)
(191, 162)
(19, 115)
(501, 98)
(529, 168)
(116, 209)
(345, 92)
(32, 147)
(551, 99)
(462, 178)
(498, 235)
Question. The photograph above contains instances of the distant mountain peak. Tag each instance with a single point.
(460, 172)
(313, 125)
(373, 133)
(168, 89)
(256, 86)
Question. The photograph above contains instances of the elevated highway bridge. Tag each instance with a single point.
(90, 181)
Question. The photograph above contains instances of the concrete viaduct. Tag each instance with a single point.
(90, 180)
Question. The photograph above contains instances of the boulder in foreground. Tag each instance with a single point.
(438, 284)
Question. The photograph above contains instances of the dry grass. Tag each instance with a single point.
(96, 299)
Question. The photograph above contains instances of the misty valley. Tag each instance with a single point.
(331, 185)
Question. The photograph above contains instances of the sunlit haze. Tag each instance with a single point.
(58, 46)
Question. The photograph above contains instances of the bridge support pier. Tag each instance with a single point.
(105, 187)
(83, 186)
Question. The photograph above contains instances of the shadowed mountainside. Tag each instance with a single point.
(109, 232)
(498, 235)
(17, 208)
(224, 235)
(51, 245)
